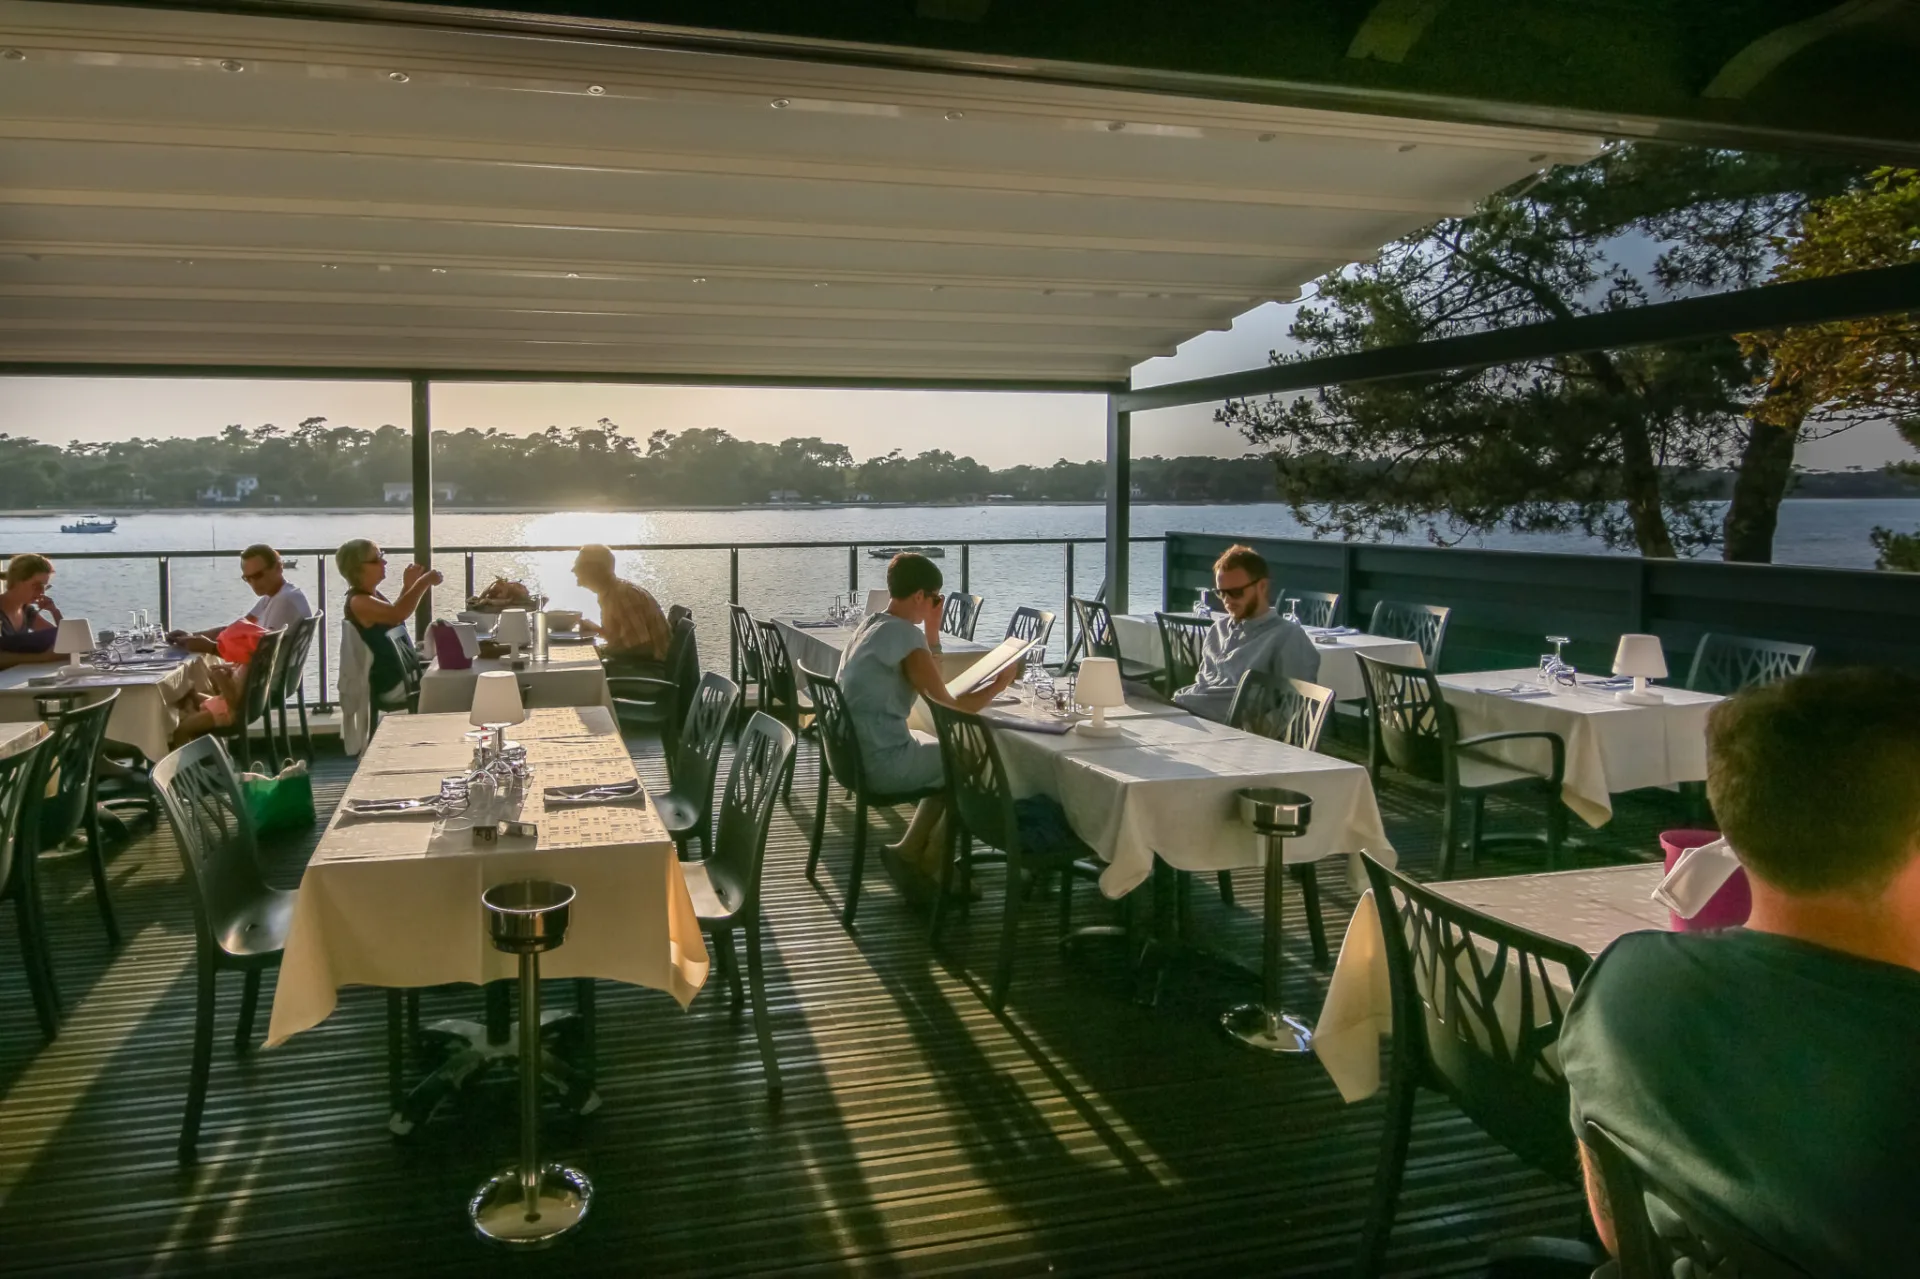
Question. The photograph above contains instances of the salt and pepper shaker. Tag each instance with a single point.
(540, 636)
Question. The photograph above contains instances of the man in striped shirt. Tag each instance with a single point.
(630, 619)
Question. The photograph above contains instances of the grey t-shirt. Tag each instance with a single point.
(1772, 1080)
(879, 695)
(1267, 643)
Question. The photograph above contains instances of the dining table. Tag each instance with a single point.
(17, 737)
(569, 675)
(394, 900)
(1339, 647)
(1589, 909)
(1611, 746)
(818, 645)
(151, 688)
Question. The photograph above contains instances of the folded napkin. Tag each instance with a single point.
(1696, 877)
(1615, 681)
(375, 809)
(1521, 692)
(606, 793)
(818, 626)
(1027, 723)
(1320, 632)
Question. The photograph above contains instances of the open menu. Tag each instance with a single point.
(981, 673)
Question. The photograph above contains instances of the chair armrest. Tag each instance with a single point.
(1556, 743)
(644, 685)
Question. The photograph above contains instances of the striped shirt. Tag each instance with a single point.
(632, 622)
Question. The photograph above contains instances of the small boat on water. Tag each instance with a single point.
(90, 524)
(888, 552)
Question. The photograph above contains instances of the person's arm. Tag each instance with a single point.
(924, 674)
(371, 611)
(28, 659)
(932, 624)
(1597, 1200)
(47, 609)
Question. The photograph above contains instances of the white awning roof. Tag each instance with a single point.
(197, 188)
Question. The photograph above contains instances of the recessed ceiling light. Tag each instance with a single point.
(596, 89)
(439, 270)
(12, 55)
(573, 275)
(820, 284)
(232, 64)
(398, 77)
(328, 266)
(699, 279)
(956, 115)
(384, 267)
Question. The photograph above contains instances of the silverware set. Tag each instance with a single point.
(602, 794)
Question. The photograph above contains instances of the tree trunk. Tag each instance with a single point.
(1762, 480)
(1640, 482)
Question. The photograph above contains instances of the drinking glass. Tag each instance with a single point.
(1556, 669)
(836, 611)
(1293, 610)
(1200, 606)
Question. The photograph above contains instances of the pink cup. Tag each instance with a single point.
(1727, 908)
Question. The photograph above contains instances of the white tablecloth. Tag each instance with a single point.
(1138, 635)
(571, 676)
(144, 717)
(818, 648)
(1611, 746)
(1587, 908)
(383, 903)
(1169, 785)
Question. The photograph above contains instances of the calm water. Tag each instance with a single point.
(208, 592)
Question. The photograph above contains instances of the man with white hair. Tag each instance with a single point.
(630, 619)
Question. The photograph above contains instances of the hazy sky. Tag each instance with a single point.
(999, 430)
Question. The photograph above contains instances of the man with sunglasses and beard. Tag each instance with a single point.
(1251, 637)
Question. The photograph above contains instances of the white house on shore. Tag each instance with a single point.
(230, 492)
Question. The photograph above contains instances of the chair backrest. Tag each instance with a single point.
(16, 776)
(1477, 1009)
(1412, 722)
(1688, 1233)
(1181, 640)
(291, 669)
(1095, 621)
(683, 665)
(1424, 624)
(256, 693)
(696, 755)
(411, 667)
(746, 645)
(200, 791)
(73, 744)
(1313, 608)
(1030, 623)
(779, 686)
(760, 761)
(1725, 664)
(1285, 710)
(675, 613)
(961, 615)
(837, 740)
(976, 779)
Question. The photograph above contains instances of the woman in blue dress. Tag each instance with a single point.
(889, 663)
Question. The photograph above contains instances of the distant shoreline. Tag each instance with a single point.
(402, 509)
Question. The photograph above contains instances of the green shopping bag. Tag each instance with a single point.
(281, 803)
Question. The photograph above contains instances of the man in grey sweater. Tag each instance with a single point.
(1251, 637)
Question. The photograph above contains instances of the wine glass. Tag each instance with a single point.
(1555, 669)
(1293, 610)
(836, 611)
(1200, 606)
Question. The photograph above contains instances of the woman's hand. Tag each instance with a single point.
(46, 605)
(1004, 679)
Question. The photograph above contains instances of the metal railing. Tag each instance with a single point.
(163, 567)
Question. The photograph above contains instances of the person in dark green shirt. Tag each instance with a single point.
(1772, 1072)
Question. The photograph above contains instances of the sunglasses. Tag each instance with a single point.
(1235, 592)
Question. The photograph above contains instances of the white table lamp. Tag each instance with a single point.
(496, 704)
(1098, 686)
(1642, 657)
(513, 629)
(74, 638)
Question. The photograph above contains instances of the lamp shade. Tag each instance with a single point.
(1640, 655)
(1098, 683)
(75, 636)
(513, 629)
(496, 699)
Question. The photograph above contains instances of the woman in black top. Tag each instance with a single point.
(380, 622)
(28, 618)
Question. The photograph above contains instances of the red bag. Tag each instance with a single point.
(238, 641)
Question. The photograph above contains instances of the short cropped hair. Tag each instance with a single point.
(352, 556)
(22, 567)
(908, 574)
(1244, 558)
(595, 553)
(1816, 779)
(262, 552)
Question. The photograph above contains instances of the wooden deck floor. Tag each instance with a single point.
(1081, 1133)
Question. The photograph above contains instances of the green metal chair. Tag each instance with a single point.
(1414, 729)
(256, 704)
(1029, 623)
(726, 886)
(1314, 608)
(61, 800)
(659, 704)
(1097, 635)
(840, 761)
(290, 681)
(747, 670)
(1452, 973)
(686, 808)
(1725, 664)
(1182, 639)
(1423, 624)
(960, 616)
(239, 920)
(17, 880)
(780, 694)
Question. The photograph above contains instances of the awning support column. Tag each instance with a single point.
(1119, 502)
(422, 494)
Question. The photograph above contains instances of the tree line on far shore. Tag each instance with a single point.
(318, 463)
